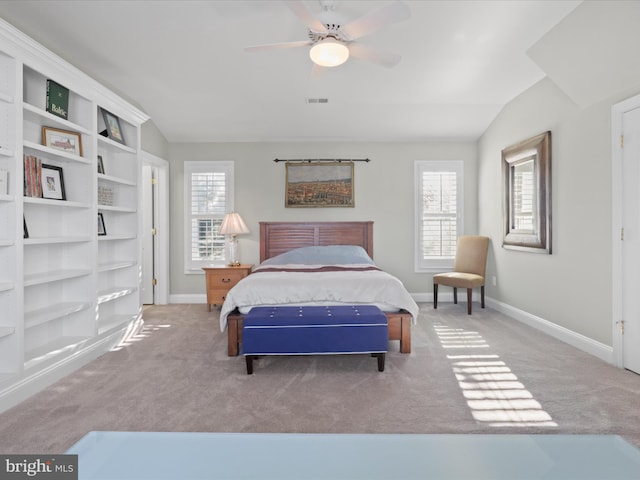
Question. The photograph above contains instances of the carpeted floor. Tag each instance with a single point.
(484, 373)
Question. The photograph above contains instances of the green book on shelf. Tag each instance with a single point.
(57, 99)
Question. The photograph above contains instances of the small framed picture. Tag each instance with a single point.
(52, 182)
(101, 228)
(112, 125)
(26, 232)
(65, 140)
(100, 165)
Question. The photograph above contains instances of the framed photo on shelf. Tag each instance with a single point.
(112, 125)
(52, 182)
(101, 228)
(65, 140)
(100, 165)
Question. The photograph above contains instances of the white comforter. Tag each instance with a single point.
(318, 288)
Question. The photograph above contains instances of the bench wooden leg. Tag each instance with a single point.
(381, 357)
(249, 360)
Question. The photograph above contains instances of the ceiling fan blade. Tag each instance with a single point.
(274, 46)
(376, 19)
(297, 7)
(363, 52)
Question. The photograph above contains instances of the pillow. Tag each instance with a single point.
(327, 255)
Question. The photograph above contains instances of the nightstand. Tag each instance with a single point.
(220, 279)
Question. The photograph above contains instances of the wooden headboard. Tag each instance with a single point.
(280, 237)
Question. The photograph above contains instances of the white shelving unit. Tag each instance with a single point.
(67, 294)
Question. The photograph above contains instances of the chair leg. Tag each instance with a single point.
(435, 296)
(455, 295)
(482, 295)
(469, 292)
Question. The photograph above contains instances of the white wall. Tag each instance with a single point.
(384, 190)
(152, 140)
(572, 286)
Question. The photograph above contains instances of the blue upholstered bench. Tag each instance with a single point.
(315, 331)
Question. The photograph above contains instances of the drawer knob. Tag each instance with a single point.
(226, 280)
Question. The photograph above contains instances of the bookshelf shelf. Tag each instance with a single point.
(112, 179)
(34, 113)
(114, 146)
(6, 331)
(115, 293)
(53, 312)
(54, 276)
(53, 153)
(55, 240)
(107, 267)
(6, 98)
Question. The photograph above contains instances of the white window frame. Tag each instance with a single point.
(190, 167)
(438, 264)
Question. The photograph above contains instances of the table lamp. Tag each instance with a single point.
(233, 225)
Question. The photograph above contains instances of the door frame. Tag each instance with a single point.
(161, 222)
(617, 114)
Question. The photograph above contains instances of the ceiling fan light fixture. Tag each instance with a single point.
(329, 53)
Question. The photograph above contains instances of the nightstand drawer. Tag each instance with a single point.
(225, 279)
(221, 279)
(216, 297)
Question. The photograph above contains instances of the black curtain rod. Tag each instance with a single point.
(310, 160)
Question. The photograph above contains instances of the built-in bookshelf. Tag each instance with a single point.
(10, 293)
(68, 292)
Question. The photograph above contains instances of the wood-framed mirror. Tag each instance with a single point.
(526, 177)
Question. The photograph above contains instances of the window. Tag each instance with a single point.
(208, 196)
(439, 203)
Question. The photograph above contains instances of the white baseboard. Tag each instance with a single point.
(577, 340)
(188, 298)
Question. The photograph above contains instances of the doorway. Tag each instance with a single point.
(155, 230)
(626, 232)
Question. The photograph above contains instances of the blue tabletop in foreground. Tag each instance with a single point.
(248, 456)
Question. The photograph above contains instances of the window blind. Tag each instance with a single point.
(208, 197)
(438, 213)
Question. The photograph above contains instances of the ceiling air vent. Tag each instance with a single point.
(317, 100)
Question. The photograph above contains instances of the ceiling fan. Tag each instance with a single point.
(333, 40)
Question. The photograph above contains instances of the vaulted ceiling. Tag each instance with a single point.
(183, 62)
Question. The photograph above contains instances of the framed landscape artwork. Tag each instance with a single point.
(319, 184)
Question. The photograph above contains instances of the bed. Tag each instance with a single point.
(281, 241)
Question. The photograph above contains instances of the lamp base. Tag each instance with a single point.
(233, 252)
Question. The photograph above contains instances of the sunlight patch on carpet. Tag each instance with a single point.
(136, 333)
(493, 392)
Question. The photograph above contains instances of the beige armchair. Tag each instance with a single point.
(468, 269)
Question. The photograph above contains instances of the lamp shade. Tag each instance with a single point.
(329, 53)
(233, 225)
